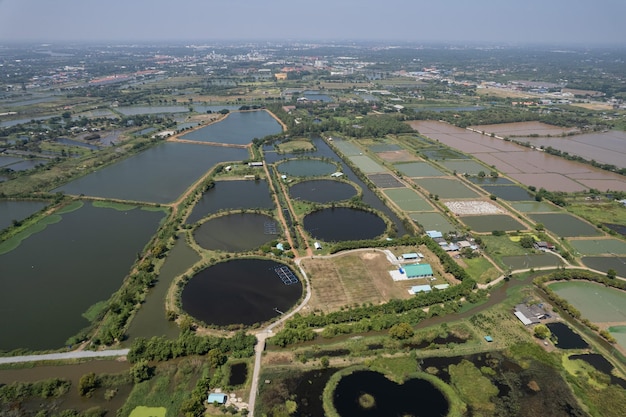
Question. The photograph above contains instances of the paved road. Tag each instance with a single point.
(77, 354)
(267, 332)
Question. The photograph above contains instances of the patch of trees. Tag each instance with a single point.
(557, 197)
(49, 388)
(188, 343)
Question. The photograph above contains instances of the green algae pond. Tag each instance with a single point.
(419, 169)
(565, 225)
(446, 187)
(491, 222)
(408, 200)
(595, 302)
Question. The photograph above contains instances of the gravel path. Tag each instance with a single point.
(77, 354)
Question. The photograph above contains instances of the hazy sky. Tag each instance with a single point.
(502, 21)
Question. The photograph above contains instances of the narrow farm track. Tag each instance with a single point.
(76, 354)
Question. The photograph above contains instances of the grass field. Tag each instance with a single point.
(481, 270)
(168, 388)
(609, 212)
(296, 145)
(361, 277)
(142, 411)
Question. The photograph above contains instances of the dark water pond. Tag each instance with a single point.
(73, 373)
(8, 160)
(322, 150)
(509, 192)
(242, 291)
(236, 232)
(232, 195)
(436, 341)
(566, 337)
(238, 128)
(80, 260)
(416, 397)
(306, 167)
(322, 191)
(604, 263)
(343, 223)
(490, 180)
(151, 318)
(619, 228)
(238, 374)
(70, 142)
(601, 364)
(159, 174)
(18, 210)
(26, 164)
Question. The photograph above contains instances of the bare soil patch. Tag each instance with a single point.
(363, 277)
(397, 156)
(350, 279)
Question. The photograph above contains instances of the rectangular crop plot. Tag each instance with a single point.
(443, 153)
(531, 261)
(465, 167)
(509, 192)
(604, 263)
(565, 225)
(419, 169)
(446, 187)
(599, 246)
(385, 181)
(366, 164)
(489, 223)
(408, 200)
(347, 148)
(595, 302)
(386, 147)
(534, 207)
(433, 221)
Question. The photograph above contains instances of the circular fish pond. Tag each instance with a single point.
(368, 393)
(236, 232)
(241, 291)
(306, 167)
(322, 191)
(343, 223)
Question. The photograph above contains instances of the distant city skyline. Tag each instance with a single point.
(580, 22)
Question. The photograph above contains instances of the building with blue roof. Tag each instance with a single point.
(433, 234)
(217, 397)
(419, 288)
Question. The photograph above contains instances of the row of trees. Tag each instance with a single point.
(188, 343)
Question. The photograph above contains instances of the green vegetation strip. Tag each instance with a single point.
(142, 411)
(16, 240)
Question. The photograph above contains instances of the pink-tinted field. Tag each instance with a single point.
(604, 147)
(524, 129)
(528, 166)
